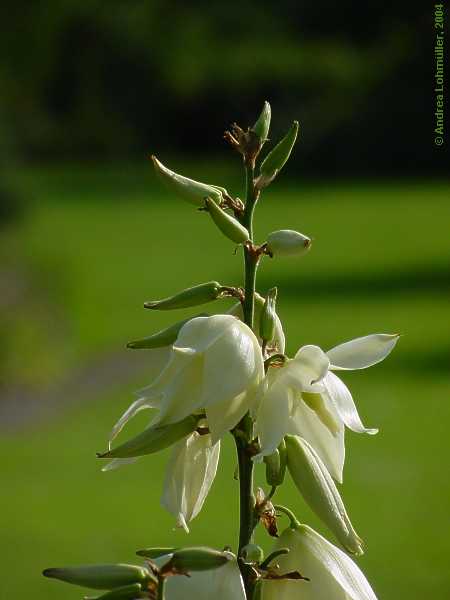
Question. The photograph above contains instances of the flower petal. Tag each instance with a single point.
(132, 410)
(362, 352)
(332, 574)
(273, 420)
(232, 364)
(224, 583)
(224, 416)
(190, 473)
(309, 366)
(342, 399)
(329, 446)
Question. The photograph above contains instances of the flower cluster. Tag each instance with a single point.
(222, 373)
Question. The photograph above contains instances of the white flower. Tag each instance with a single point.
(306, 398)
(223, 583)
(332, 574)
(190, 473)
(214, 365)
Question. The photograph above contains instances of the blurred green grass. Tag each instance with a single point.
(100, 241)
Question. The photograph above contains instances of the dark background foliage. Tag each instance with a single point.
(101, 80)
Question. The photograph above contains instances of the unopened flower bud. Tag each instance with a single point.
(262, 125)
(193, 296)
(319, 490)
(286, 242)
(277, 157)
(126, 592)
(252, 553)
(100, 577)
(188, 189)
(155, 552)
(153, 439)
(276, 465)
(197, 559)
(162, 338)
(268, 320)
(227, 224)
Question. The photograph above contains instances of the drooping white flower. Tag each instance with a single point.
(306, 398)
(214, 365)
(189, 476)
(332, 574)
(223, 583)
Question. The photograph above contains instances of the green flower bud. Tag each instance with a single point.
(319, 490)
(197, 559)
(193, 296)
(126, 592)
(227, 224)
(268, 320)
(277, 157)
(155, 552)
(100, 577)
(188, 189)
(276, 465)
(262, 125)
(165, 337)
(287, 242)
(153, 439)
(252, 553)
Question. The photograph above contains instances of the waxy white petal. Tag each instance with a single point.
(231, 364)
(224, 583)
(342, 399)
(226, 415)
(362, 352)
(309, 366)
(190, 473)
(333, 575)
(273, 419)
(329, 446)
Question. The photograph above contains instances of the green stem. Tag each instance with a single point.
(161, 585)
(247, 515)
(295, 523)
(250, 259)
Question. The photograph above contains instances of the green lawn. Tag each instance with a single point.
(98, 242)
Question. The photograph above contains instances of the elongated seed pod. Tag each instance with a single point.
(193, 191)
(153, 439)
(100, 577)
(162, 338)
(228, 225)
(193, 296)
(198, 559)
(277, 157)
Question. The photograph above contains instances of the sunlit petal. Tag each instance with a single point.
(342, 399)
(362, 352)
(330, 447)
(190, 473)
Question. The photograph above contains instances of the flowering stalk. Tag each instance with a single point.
(212, 375)
(247, 518)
